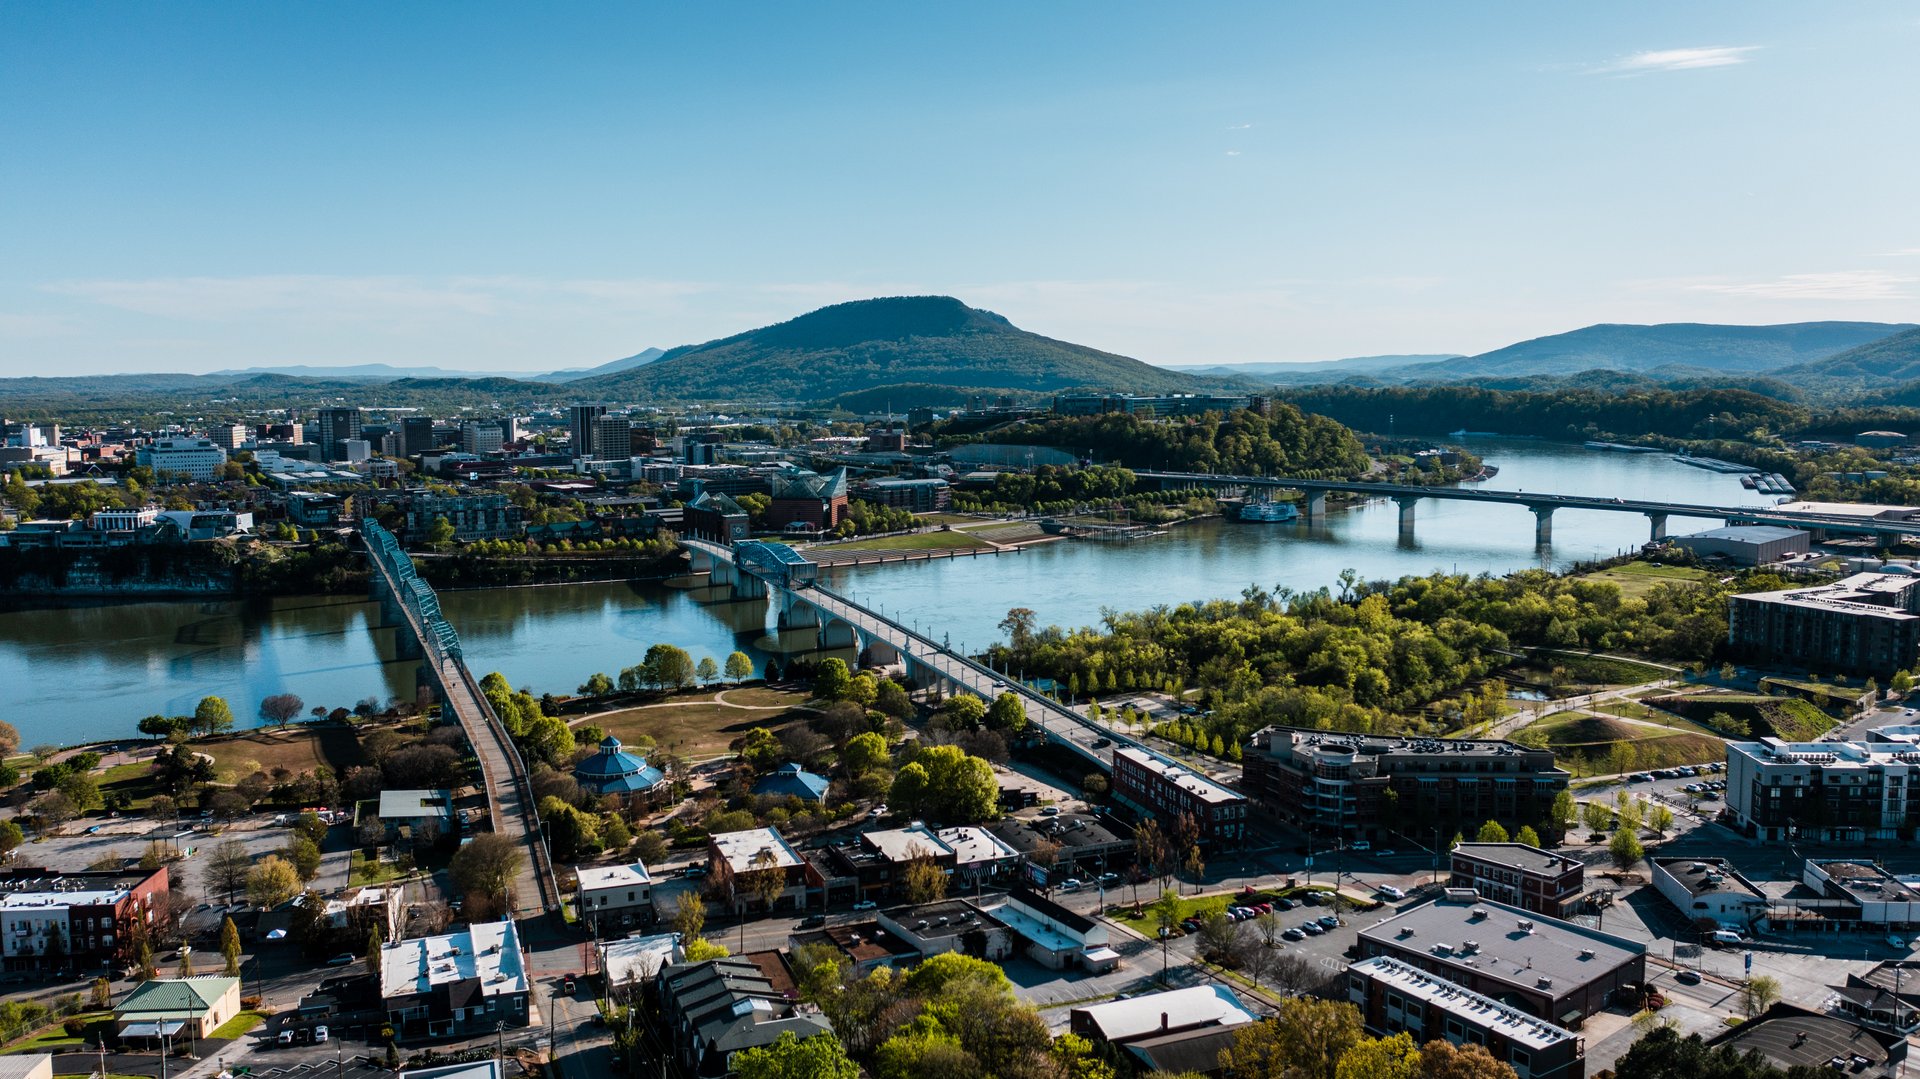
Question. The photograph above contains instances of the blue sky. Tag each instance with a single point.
(191, 186)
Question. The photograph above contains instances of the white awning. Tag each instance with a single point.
(156, 1029)
(1102, 955)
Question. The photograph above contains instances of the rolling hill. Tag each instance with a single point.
(870, 345)
(575, 374)
(1888, 361)
(1691, 345)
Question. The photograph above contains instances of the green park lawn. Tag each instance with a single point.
(1637, 579)
(915, 541)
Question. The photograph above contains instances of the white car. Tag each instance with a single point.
(1392, 892)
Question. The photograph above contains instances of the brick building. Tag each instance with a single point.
(1155, 787)
(1367, 786)
(818, 501)
(1526, 877)
(90, 914)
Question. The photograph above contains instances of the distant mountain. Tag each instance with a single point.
(1889, 361)
(1318, 369)
(574, 374)
(1619, 347)
(370, 372)
(872, 344)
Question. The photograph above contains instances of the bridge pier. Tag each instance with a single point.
(1314, 505)
(748, 586)
(1406, 504)
(1542, 525)
(406, 645)
(835, 635)
(795, 614)
(1658, 525)
(876, 652)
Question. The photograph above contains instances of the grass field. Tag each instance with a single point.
(762, 697)
(916, 541)
(1636, 579)
(238, 1025)
(55, 1038)
(1584, 744)
(946, 519)
(698, 730)
(298, 749)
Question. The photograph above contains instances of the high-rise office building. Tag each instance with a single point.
(480, 437)
(416, 435)
(336, 426)
(582, 428)
(612, 438)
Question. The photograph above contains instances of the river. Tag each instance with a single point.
(87, 673)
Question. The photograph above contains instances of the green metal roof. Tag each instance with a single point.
(174, 997)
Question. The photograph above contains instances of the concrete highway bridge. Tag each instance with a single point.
(424, 634)
(788, 581)
(1887, 528)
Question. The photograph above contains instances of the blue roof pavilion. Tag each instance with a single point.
(792, 781)
(613, 770)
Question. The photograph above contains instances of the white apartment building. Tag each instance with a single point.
(192, 458)
(1837, 792)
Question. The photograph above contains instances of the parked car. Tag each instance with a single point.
(1050, 811)
(813, 921)
(1392, 892)
(1311, 929)
(866, 904)
(319, 1035)
(1284, 903)
(1687, 977)
(342, 959)
(1293, 934)
(1109, 878)
(1071, 884)
(1329, 921)
(1360, 844)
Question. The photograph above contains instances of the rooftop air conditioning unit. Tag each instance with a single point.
(1586, 953)
(1545, 983)
(1526, 925)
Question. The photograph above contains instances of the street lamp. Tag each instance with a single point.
(1163, 959)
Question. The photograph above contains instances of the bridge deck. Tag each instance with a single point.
(502, 772)
(1543, 500)
(1057, 721)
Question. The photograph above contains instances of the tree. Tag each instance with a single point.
(1660, 818)
(374, 944)
(230, 946)
(1759, 994)
(281, 708)
(689, 915)
(1903, 682)
(963, 711)
(212, 716)
(143, 958)
(669, 666)
(9, 739)
(1304, 1040)
(960, 789)
(739, 667)
(1598, 817)
(440, 533)
(909, 792)
(304, 854)
(923, 881)
(832, 680)
(1441, 1059)
(1380, 1058)
(760, 750)
(1018, 626)
(706, 670)
(82, 790)
(865, 753)
(486, 865)
(10, 836)
(1008, 714)
(100, 994)
(550, 739)
(1166, 910)
(227, 868)
(1564, 813)
(186, 963)
(1625, 848)
(273, 881)
(597, 685)
(819, 1057)
(1492, 832)
(1527, 835)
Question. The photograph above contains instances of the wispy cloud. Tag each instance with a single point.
(1897, 253)
(1239, 127)
(1838, 285)
(1233, 153)
(1652, 60)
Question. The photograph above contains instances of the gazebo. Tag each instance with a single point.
(612, 770)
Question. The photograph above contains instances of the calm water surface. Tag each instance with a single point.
(87, 673)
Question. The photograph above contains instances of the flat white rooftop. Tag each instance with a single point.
(595, 877)
(755, 848)
(489, 952)
(1483, 1011)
